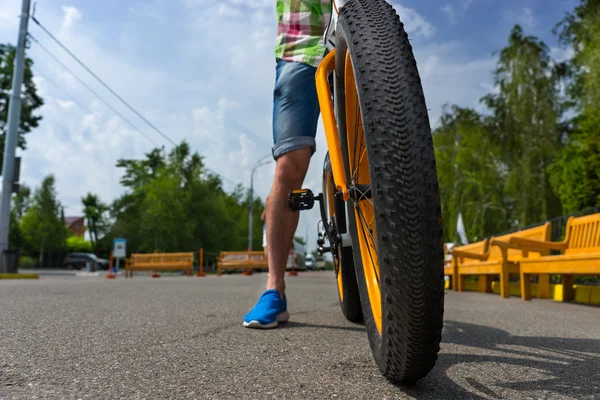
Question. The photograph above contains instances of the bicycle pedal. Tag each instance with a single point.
(322, 250)
(301, 199)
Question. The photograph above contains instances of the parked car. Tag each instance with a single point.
(78, 260)
(310, 262)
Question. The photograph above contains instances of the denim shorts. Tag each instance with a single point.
(295, 108)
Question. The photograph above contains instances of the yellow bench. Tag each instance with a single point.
(462, 255)
(502, 258)
(241, 259)
(581, 256)
(160, 262)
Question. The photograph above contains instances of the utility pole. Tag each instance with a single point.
(14, 116)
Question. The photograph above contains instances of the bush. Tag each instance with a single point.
(27, 262)
(77, 244)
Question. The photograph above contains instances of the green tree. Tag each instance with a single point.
(300, 240)
(78, 244)
(94, 211)
(576, 173)
(30, 103)
(580, 31)
(525, 125)
(165, 223)
(42, 227)
(15, 238)
(20, 204)
(173, 204)
(21, 200)
(471, 174)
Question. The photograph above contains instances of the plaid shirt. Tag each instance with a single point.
(300, 28)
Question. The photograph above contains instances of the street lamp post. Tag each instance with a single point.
(259, 163)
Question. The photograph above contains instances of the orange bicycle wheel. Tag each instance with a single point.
(394, 207)
(343, 259)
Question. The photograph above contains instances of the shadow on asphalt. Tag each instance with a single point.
(295, 324)
(571, 367)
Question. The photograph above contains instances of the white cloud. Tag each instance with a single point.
(449, 76)
(256, 4)
(66, 104)
(526, 18)
(154, 10)
(490, 88)
(252, 4)
(453, 11)
(448, 9)
(225, 10)
(466, 4)
(9, 18)
(414, 23)
(561, 54)
(71, 14)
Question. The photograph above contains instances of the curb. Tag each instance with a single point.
(83, 274)
(19, 276)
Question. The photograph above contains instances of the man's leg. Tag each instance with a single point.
(264, 240)
(295, 118)
(281, 220)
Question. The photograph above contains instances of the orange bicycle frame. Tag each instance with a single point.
(326, 67)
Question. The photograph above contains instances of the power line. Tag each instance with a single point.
(101, 81)
(110, 90)
(80, 104)
(56, 85)
(89, 88)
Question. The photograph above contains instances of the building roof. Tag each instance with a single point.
(72, 220)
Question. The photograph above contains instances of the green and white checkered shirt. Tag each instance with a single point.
(300, 28)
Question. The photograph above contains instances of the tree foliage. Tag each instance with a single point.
(20, 204)
(520, 163)
(525, 124)
(576, 174)
(95, 215)
(78, 244)
(31, 101)
(470, 173)
(173, 204)
(42, 227)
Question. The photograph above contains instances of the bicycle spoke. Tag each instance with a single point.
(364, 222)
(355, 164)
(373, 263)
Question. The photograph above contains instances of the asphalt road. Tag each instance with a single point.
(178, 337)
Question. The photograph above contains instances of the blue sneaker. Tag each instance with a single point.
(269, 311)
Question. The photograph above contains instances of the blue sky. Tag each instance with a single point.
(203, 71)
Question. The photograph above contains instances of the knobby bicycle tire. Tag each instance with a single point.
(404, 189)
(343, 258)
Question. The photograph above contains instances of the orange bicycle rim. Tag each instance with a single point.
(364, 211)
